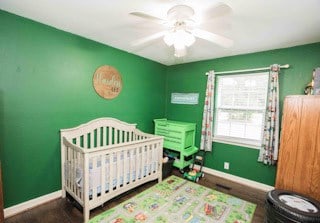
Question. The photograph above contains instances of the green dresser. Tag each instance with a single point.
(179, 138)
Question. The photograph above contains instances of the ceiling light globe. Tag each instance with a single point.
(184, 37)
(180, 51)
(169, 39)
(179, 45)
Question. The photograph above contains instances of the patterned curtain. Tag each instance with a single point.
(207, 120)
(270, 142)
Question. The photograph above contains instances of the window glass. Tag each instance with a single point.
(240, 108)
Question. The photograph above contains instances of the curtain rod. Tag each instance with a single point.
(249, 70)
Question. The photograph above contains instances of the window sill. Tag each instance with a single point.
(225, 141)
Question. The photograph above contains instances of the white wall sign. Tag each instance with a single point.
(185, 98)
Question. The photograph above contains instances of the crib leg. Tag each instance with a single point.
(86, 213)
(63, 193)
(159, 177)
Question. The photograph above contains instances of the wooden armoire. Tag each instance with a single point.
(299, 153)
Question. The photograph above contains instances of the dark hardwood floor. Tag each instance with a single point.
(63, 211)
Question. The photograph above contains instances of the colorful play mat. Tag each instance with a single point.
(176, 200)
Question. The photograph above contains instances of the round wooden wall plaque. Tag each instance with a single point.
(107, 82)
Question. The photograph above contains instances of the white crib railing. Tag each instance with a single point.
(101, 162)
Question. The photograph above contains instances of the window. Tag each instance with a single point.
(240, 108)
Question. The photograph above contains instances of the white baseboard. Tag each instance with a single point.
(240, 180)
(13, 210)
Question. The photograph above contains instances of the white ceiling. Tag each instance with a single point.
(254, 26)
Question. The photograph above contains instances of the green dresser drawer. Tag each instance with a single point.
(177, 135)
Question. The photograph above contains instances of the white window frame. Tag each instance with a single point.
(244, 142)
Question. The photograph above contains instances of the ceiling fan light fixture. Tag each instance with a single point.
(183, 31)
(179, 37)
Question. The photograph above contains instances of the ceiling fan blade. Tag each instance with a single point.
(147, 39)
(147, 16)
(212, 37)
(218, 10)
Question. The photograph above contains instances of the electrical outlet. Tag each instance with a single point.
(226, 165)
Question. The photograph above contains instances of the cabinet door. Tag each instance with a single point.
(307, 162)
(288, 143)
(298, 166)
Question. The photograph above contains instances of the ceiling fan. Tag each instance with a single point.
(182, 31)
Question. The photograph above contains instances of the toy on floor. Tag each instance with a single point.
(195, 174)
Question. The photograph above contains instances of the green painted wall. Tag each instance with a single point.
(191, 78)
(46, 84)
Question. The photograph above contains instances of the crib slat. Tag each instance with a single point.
(149, 159)
(103, 174)
(78, 162)
(118, 169)
(158, 156)
(137, 163)
(74, 167)
(108, 171)
(67, 168)
(148, 163)
(93, 179)
(111, 173)
(131, 136)
(125, 136)
(85, 141)
(140, 160)
(75, 164)
(131, 164)
(144, 160)
(125, 167)
(154, 158)
(91, 140)
(70, 167)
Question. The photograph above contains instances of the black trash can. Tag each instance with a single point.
(290, 207)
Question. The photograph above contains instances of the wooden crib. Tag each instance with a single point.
(106, 157)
